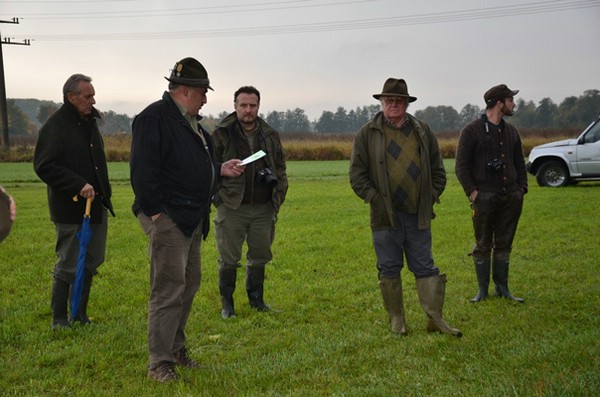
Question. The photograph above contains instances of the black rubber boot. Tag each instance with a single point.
(227, 278)
(60, 300)
(255, 278)
(482, 269)
(500, 275)
(82, 316)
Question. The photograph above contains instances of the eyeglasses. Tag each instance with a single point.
(393, 100)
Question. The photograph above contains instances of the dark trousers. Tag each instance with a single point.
(252, 223)
(407, 240)
(67, 249)
(495, 219)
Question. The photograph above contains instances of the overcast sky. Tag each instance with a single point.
(311, 54)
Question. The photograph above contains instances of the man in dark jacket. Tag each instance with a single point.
(69, 158)
(397, 168)
(491, 169)
(247, 206)
(173, 175)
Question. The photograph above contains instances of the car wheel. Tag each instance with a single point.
(553, 174)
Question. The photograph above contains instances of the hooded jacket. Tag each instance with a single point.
(231, 190)
(368, 173)
(171, 169)
(70, 153)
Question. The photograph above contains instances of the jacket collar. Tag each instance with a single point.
(484, 120)
(173, 108)
(379, 121)
(72, 111)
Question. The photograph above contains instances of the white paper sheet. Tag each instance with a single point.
(253, 157)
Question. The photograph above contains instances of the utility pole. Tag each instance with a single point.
(3, 104)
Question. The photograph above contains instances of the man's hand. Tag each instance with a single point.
(232, 168)
(473, 195)
(87, 192)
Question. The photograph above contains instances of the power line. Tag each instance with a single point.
(71, 2)
(206, 10)
(400, 21)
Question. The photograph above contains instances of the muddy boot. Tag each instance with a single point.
(482, 269)
(60, 301)
(391, 291)
(432, 291)
(255, 278)
(227, 277)
(500, 275)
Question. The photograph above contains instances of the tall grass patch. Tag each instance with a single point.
(298, 146)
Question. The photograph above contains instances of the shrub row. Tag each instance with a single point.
(310, 147)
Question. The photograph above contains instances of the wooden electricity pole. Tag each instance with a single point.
(3, 104)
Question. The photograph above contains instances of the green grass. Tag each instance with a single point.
(332, 336)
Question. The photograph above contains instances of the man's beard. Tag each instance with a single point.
(506, 111)
(248, 122)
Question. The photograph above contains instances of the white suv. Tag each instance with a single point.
(560, 163)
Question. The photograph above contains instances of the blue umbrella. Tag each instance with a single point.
(84, 235)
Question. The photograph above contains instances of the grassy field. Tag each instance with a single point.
(331, 337)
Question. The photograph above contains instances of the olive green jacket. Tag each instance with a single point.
(231, 190)
(368, 173)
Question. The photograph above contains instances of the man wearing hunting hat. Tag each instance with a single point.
(173, 176)
(396, 168)
(490, 166)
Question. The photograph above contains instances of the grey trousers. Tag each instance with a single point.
(407, 240)
(67, 249)
(175, 273)
(253, 223)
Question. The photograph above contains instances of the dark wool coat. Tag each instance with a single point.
(70, 153)
(171, 169)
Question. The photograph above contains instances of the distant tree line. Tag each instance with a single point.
(572, 112)
(25, 116)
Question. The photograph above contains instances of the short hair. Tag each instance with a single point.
(72, 83)
(247, 89)
(492, 103)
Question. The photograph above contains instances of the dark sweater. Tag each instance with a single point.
(478, 146)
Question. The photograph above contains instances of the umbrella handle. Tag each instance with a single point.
(88, 205)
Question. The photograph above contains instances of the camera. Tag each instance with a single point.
(495, 165)
(266, 176)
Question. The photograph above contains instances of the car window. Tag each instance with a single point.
(593, 135)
